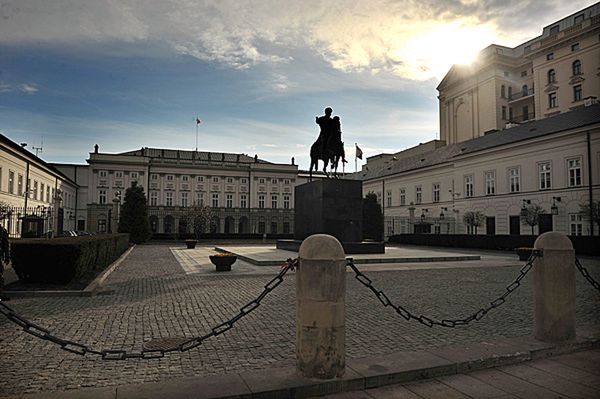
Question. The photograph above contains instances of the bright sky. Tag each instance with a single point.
(131, 73)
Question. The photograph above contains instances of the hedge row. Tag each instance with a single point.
(212, 236)
(584, 245)
(62, 260)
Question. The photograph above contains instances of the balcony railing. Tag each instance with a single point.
(521, 94)
(522, 118)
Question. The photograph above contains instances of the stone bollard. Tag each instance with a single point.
(554, 288)
(320, 308)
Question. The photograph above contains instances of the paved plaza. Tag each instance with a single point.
(160, 292)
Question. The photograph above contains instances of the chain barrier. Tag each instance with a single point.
(109, 354)
(587, 275)
(426, 321)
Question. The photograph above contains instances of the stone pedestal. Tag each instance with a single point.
(554, 288)
(334, 207)
(320, 308)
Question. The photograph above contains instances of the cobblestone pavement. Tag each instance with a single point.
(155, 298)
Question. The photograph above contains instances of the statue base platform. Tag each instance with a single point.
(350, 248)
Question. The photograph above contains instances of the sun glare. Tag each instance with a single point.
(437, 47)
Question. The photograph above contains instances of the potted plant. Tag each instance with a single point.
(524, 252)
(223, 261)
(191, 244)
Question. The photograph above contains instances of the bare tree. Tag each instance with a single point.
(591, 210)
(200, 217)
(530, 215)
(474, 219)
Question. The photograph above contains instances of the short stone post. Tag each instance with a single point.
(320, 308)
(554, 288)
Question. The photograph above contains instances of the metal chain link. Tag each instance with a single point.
(109, 354)
(587, 275)
(385, 301)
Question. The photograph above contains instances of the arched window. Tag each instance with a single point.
(525, 90)
(551, 76)
(576, 67)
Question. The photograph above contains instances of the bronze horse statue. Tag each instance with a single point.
(332, 152)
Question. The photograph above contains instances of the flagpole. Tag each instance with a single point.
(196, 133)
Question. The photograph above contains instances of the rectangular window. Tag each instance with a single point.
(286, 202)
(490, 183)
(503, 91)
(102, 226)
(550, 56)
(11, 182)
(402, 196)
(153, 176)
(215, 179)
(229, 200)
(469, 186)
(243, 181)
(286, 227)
(230, 180)
(261, 181)
(261, 228)
(103, 173)
(274, 201)
(274, 181)
(19, 184)
(523, 73)
(215, 200)
(545, 173)
(185, 178)
(169, 177)
(286, 182)
(153, 198)
(42, 191)
(273, 227)
(525, 113)
(577, 93)
(503, 112)
(576, 224)
(184, 199)
(574, 169)
(35, 190)
(552, 103)
(118, 175)
(28, 190)
(578, 18)
(436, 192)
(261, 201)
(47, 193)
(133, 175)
(389, 198)
(102, 197)
(418, 195)
(379, 197)
(169, 199)
(199, 179)
(574, 46)
(200, 199)
(243, 201)
(514, 179)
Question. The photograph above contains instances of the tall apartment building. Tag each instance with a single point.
(555, 72)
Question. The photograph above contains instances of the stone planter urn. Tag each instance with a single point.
(223, 262)
(191, 244)
(524, 253)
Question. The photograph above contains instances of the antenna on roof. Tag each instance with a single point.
(38, 149)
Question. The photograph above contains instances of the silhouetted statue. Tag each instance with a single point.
(329, 146)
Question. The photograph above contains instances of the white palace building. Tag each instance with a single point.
(519, 126)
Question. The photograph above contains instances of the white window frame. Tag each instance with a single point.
(544, 175)
(418, 194)
(102, 197)
(153, 198)
(229, 200)
(436, 192)
(402, 196)
(169, 198)
(388, 198)
(118, 174)
(575, 224)
(574, 172)
(215, 200)
(469, 182)
(103, 174)
(184, 199)
(274, 201)
(243, 201)
(286, 202)
(514, 179)
(490, 182)
(261, 201)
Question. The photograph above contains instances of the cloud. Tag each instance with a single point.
(28, 88)
(413, 39)
(5, 88)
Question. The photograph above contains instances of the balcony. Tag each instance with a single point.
(518, 119)
(521, 95)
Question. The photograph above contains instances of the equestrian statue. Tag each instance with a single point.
(329, 147)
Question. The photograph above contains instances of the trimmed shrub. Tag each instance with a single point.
(62, 260)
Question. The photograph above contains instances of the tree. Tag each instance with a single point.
(200, 217)
(530, 215)
(474, 219)
(134, 215)
(591, 210)
(372, 218)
